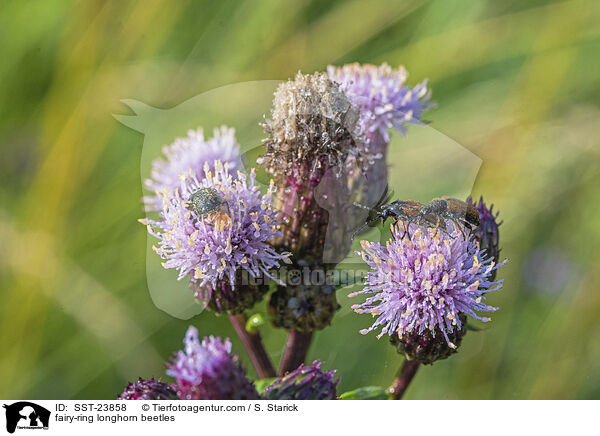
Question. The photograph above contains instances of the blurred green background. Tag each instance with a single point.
(517, 84)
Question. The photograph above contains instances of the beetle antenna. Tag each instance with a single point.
(357, 231)
(362, 206)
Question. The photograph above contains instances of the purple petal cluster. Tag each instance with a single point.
(304, 383)
(382, 96)
(211, 248)
(148, 390)
(424, 281)
(190, 153)
(208, 370)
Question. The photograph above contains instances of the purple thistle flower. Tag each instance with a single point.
(208, 371)
(211, 248)
(148, 390)
(305, 383)
(423, 283)
(382, 96)
(190, 153)
(486, 234)
(384, 101)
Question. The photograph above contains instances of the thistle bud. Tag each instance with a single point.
(305, 383)
(148, 390)
(302, 304)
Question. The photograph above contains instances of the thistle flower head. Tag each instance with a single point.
(422, 283)
(304, 383)
(148, 390)
(208, 370)
(190, 153)
(381, 94)
(313, 126)
(210, 247)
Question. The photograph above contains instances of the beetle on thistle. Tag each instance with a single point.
(206, 202)
(453, 209)
(433, 214)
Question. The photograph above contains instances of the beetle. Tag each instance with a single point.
(205, 202)
(433, 214)
(403, 210)
(448, 208)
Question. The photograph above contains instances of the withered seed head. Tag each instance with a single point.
(313, 125)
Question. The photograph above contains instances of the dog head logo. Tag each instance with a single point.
(26, 415)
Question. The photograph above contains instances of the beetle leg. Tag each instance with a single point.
(407, 231)
(437, 227)
(407, 224)
(458, 224)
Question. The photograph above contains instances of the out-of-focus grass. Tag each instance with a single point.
(516, 83)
